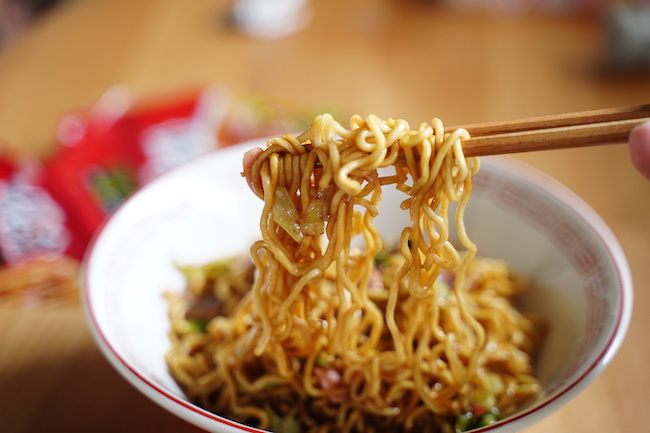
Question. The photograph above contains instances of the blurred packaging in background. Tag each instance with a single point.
(50, 210)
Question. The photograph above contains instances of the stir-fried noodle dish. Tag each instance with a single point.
(323, 327)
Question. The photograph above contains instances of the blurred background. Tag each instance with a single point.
(119, 91)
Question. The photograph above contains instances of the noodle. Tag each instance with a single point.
(329, 330)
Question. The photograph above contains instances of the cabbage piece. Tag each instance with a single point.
(285, 213)
(313, 223)
(316, 213)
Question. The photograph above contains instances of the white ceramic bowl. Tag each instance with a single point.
(204, 210)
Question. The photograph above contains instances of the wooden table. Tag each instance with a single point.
(393, 58)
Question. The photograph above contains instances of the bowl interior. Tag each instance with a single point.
(204, 210)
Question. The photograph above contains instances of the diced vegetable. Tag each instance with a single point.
(464, 422)
(322, 360)
(198, 326)
(479, 416)
(285, 214)
(286, 424)
(313, 223)
(382, 258)
(317, 212)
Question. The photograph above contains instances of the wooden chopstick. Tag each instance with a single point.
(559, 120)
(587, 128)
(559, 131)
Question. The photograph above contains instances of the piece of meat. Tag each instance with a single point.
(205, 308)
(249, 159)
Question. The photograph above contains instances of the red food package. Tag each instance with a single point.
(108, 152)
(49, 211)
(111, 151)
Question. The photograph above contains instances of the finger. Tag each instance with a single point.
(639, 144)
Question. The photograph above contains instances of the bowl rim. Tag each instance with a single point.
(203, 418)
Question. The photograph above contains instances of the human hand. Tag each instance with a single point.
(639, 144)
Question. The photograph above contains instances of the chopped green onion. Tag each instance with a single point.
(322, 360)
(197, 326)
(464, 422)
(288, 424)
(382, 258)
(477, 418)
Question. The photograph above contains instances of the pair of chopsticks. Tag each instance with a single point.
(587, 128)
(559, 131)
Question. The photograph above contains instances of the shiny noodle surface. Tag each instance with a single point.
(335, 331)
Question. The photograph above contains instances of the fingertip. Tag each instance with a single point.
(639, 144)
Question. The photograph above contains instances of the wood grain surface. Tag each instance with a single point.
(408, 59)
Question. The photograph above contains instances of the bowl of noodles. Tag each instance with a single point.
(360, 278)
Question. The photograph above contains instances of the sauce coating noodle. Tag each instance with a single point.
(328, 330)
